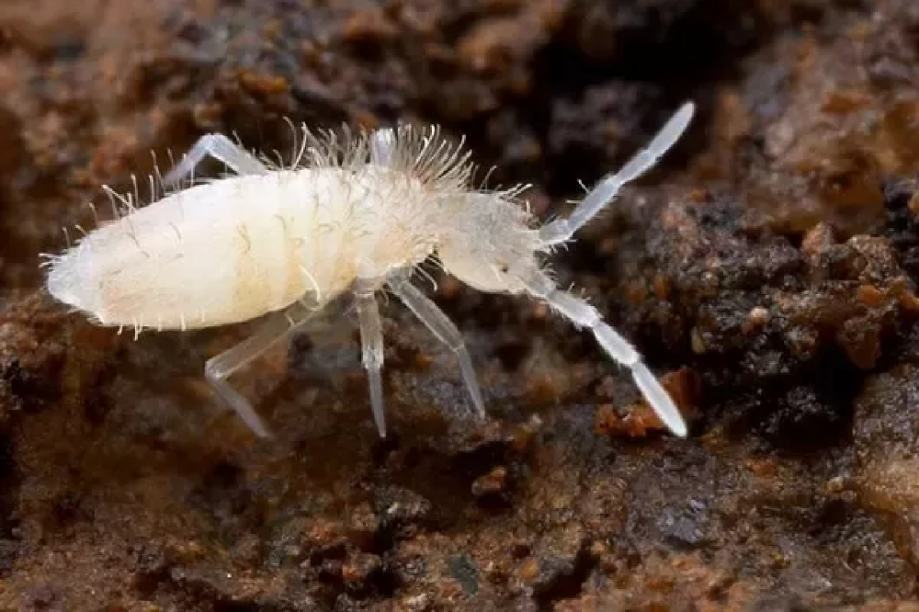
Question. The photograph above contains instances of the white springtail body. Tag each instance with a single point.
(235, 249)
(352, 214)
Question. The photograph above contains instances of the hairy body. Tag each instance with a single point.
(359, 215)
(235, 249)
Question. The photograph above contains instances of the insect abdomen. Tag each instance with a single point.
(210, 255)
(238, 248)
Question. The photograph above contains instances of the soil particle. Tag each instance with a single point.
(767, 270)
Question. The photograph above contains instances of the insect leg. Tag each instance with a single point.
(443, 329)
(582, 314)
(276, 327)
(382, 146)
(606, 190)
(221, 148)
(371, 349)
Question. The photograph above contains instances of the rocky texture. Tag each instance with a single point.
(768, 269)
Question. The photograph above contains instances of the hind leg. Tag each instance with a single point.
(275, 328)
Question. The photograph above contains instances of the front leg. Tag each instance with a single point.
(221, 148)
(443, 329)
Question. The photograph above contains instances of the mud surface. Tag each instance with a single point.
(767, 269)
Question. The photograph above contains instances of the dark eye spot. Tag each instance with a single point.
(504, 268)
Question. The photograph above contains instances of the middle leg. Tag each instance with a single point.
(368, 315)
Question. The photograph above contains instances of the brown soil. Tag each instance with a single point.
(768, 268)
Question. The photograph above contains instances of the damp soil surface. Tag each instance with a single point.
(767, 269)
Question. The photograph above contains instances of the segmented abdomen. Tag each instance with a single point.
(210, 255)
(235, 249)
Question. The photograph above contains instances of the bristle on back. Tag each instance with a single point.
(422, 153)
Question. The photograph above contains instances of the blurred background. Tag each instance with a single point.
(767, 268)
